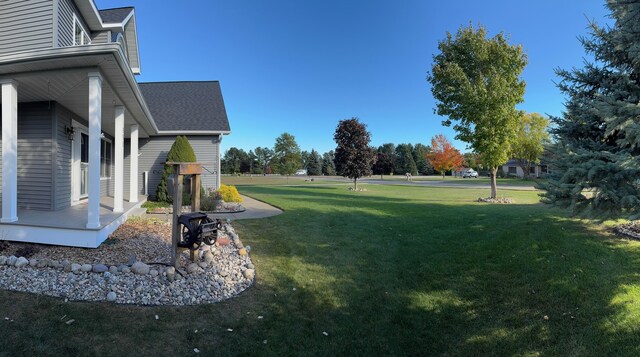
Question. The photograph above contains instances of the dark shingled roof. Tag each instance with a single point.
(115, 15)
(179, 106)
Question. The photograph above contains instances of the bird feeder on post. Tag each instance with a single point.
(180, 169)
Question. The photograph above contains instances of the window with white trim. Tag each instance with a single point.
(80, 37)
(105, 158)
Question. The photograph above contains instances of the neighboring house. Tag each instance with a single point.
(72, 113)
(513, 169)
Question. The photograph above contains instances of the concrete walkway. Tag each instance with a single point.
(255, 209)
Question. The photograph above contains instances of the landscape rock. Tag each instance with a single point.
(75, 268)
(153, 272)
(192, 268)
(242, 251)
(66, 267)
(99, 268)
(33, 262)
(113, 269)
(140, 268)
(222, 241)
(111, 296)
(11, 261)
(43, 263)
(85, 268)
(3, 260)
(21, 262)
(249, 274)
(208, 257)
(126, 270)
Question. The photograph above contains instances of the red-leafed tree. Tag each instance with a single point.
(444, 157)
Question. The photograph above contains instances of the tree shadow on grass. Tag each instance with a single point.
(437, 289)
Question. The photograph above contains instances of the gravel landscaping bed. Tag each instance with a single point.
(131, 267)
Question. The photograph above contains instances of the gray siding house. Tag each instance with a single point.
(83, 143)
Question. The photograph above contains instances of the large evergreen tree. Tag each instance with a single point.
(420, 153)
(404, 161)
(328, 166)
(314, 166)
(594, 162)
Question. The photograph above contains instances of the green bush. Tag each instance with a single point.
(181, 151)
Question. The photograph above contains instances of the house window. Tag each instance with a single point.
(105, 158)
(513, 170)
(532, 170)
(79, 35)
(544, 169)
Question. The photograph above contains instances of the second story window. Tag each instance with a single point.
(79, 35)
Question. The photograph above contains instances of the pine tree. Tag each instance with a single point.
(328, 166)
(594, 162)
(314, 166)
(404, 160)
(181, 151)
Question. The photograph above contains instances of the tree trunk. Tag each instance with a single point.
(494, 188)
(355, 184)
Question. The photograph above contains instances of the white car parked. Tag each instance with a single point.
(471, 173)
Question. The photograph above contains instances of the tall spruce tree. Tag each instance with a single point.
(404, 162)
(314, 167)
(595, 160)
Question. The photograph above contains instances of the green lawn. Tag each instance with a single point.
(394, 270)
(272, 180)
(459, 180)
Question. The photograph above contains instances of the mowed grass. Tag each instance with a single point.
(394, 270)
(273, 180)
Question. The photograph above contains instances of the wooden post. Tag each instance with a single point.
(180, 169)
(195, 193)
(177, 210)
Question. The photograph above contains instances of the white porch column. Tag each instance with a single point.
(95, 121)
(9, 151)
(118, 189)
(133, 160)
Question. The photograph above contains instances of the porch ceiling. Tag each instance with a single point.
(64, 79)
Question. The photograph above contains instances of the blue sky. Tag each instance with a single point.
(300, 66)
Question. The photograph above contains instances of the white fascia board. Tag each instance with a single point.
(193, 132)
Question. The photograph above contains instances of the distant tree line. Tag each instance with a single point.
(286, 158)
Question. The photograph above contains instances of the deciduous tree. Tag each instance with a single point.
(287, 155)
(385, 161)
(444, 157)
(528, 143)
(476, 83)
(354, 157)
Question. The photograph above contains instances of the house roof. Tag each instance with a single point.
(117, 15)
(186, 106)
